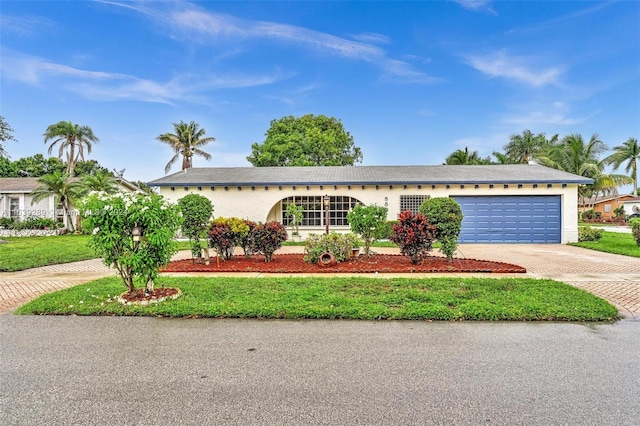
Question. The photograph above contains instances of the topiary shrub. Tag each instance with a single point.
(414, 235)
(635, 230)
(369, 222)
(340, 245)
(446, 216)
(268, 237)
(196, 214)
(587, 233)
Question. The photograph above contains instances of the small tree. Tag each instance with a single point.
(114, 218)
(414, 235)
(196, 213)
(294, 212)
(370, 222)
(268, 238)
(446, 216)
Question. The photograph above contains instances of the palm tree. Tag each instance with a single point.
(629, 152)
(464, 157)
(62, 188)
(73, 139)
(523, 148)
(575, 156)
(99, 182)
(186, 141)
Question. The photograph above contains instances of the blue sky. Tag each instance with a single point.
(411, 81)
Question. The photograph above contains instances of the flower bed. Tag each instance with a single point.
(380, 263)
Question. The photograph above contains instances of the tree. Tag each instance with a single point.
(99, 182)
(306, 141)
(116, 219)
(370, 222)
(523, 148)
(7, 167)
(6, 134)
(573, 155)
(72, 139)
(196, 214)
(628, 152)
(446, 216)
(89, 167)
(465, 158)
(186, 142)
(38, 166)
(62, 188)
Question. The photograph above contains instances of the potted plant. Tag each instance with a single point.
(294, 212)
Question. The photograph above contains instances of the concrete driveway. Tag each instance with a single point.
(613, 277)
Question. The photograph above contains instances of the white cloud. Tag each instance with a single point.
(25, 26)
(543, 119)
(371, 38)
(518, 68)
(106, 86)
(476, 5)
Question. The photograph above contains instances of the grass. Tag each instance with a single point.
(30, 252)
(367, 298)
(613, 242)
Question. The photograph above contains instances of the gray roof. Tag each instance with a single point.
(368, 175)
(18, 184)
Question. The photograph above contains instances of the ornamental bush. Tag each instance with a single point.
(113, 219)
(247, 242)
(340, 245)
(635, 230)
(196, 213)
(587, 233)
(446, 216)
(268, 237)
(225, 234)
(369, 222)
(414, 235)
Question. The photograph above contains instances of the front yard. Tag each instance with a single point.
(613, 242)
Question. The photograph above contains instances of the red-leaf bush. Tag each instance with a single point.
(225, 234)
(268, 237)
(414, 235)
(247, 242)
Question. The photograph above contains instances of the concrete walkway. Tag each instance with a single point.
(613, 277)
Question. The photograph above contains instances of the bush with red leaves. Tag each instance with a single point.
(268, 238)
(414, 235)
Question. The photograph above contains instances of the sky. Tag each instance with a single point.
(410, 81)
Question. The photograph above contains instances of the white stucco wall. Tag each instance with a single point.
(42, 208)
(260, 204)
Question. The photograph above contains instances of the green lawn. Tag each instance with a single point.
(515, 299)
(29, 252)
(613, 242)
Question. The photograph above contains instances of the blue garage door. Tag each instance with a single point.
(510, 219)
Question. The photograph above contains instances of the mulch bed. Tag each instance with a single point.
(381, 263)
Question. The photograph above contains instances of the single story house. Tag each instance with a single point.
(604, 205)
(631, 206)
(523, 203)
(16, 201)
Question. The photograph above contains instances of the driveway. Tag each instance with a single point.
(613, 277)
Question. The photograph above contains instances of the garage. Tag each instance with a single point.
(510, 219)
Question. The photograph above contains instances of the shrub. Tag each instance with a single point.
(446, 216)
(340, 245)
(414, 235)
(268, 238)
(619, 215)
(369, 222)
(635, 230)
(6, 222)
(587, 233)
(113, 219)
(588, 214)
(225, 234)
(196, 213)
(247, 242)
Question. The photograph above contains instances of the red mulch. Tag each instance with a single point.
(158, 294)
(382, 263)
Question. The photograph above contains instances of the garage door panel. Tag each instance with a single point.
(514, 219)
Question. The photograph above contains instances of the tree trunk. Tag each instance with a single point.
(149, 287)
(207, 259)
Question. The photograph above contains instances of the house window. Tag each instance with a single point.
(313, 213)
(412, 202)
(14, 207)
(607, 208)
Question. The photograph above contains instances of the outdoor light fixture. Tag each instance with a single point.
(326, 200)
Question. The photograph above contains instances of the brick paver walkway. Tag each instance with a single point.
(613, 277)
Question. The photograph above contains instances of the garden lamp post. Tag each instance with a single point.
(326, 199)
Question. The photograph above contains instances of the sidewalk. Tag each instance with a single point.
(613, 277)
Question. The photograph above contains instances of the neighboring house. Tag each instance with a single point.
(604, 205)
(16, 201)
(632, 206)
(501, 203)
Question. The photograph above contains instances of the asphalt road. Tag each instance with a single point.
(153, 371)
